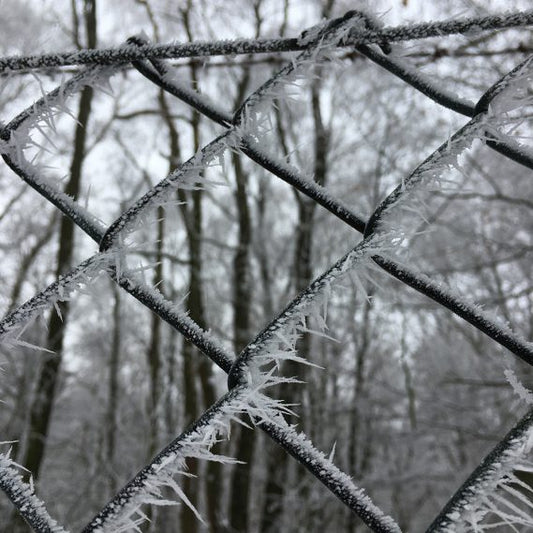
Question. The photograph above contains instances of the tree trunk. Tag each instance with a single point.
(242, 297)
(154, 348)
(113, 392)
(302, 275)
(198, 393)
(46, 388)
(42, 405)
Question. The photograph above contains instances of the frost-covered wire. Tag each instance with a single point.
(316, 462)
(329, 476)
(249, 145)
(245, 120)
(247, 376)
(175, 317)
(380, 222)
(15, 137)
(437, 93)
(416, 280)
(419, 81)
(259, 351)
(186, 176)
(447, 153)
(124, 512)
(67, 205)
(478, 496)
(59, 291)
(436, 291)
(294, 443)
(460, 306)
(24, 499)
(126, 54)
(441, 28)
(13, 155)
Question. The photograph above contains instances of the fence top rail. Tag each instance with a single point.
(176, 50)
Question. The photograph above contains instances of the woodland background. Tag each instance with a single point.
(410, 397)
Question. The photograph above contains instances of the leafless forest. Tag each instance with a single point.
(273, 277)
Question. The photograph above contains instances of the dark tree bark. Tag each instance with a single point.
(302, 275)
(14, 429)
(242, 298)
(154, 356)
(113, 391)
(42, 405)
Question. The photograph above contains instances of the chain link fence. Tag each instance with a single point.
(252, 372)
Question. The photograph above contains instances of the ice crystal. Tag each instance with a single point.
(23, 496)
(520, 390)
(11, 327)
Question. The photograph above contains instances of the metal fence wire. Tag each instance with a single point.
(252, 372)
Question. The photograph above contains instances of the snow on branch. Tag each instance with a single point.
(518, 387)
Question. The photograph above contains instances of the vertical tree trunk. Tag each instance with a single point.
(359, 430)
(302, 275)
(242, 297)
(199, 391)
(113, 391)
(42, 405)
(154, 348)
